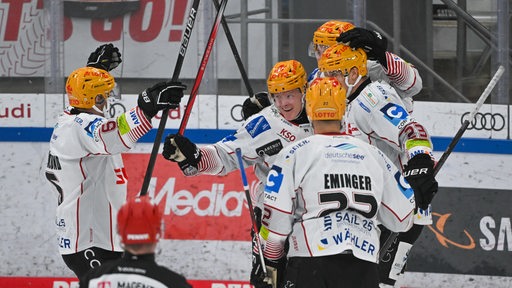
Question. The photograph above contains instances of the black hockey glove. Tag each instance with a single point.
(276, 271)
(255, 104)
(162, 95)
(257, 273)
(106, 57)
(180, 149)
(419, 172)
(372, 42)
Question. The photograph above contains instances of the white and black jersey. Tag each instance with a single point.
(133, 271)
(86, 170)
(327, 194)
(260, 138)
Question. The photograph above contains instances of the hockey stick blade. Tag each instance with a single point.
(202, 67)
(163, 120)
(238, 152)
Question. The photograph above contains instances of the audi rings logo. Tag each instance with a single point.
(236, 113)
(485, 121)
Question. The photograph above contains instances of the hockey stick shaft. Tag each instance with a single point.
(177, 69)
(472, 115)
(202, 67)
(238, 152)
(232, 44)
(453, 143)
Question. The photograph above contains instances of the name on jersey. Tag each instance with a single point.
(334, 181)
(257, 126)
(355, 241)
(271, 148)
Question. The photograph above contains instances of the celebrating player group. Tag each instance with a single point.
(357, 168)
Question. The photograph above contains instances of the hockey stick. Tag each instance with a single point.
(202, 67)
(238, 60)
(177, 69)
(453, 143)
(472, 115)
(238, 152)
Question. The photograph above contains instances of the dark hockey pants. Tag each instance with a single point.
(341, 270)
(80, 263)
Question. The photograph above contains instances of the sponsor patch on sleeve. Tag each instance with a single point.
(257, 126)
(394, 113)
(370, 98)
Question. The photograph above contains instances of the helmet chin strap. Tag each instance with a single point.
(350, 86)
(103, 112)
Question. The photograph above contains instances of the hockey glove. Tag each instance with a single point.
(276, 271)
(255, 104)
(257, 273)
(372, 42)
(419, 172)
(106, 57)
(162, 95)
(180, 149)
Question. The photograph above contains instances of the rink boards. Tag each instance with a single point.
(207, 224)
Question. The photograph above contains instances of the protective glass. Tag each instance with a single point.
(316, 50)
(333, 73)
(115, 93)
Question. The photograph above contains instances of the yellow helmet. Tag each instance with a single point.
(84, 84)
(286, 76)
(341, 57)
(325, 99)
(329, 31)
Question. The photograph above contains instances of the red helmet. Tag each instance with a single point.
(139, 221)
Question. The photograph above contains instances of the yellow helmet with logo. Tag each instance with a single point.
(325, 99)
(329, 31)
(341, 57)
(286, 76)
(84, 84)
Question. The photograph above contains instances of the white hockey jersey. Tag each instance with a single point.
(376, 114)
(260, 138)
(327, 194)
(85, 168)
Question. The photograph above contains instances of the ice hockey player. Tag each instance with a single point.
(326, 195)
(139, 224)
(382, 65)
(260, 138)
(376, 114)
(85, 166)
